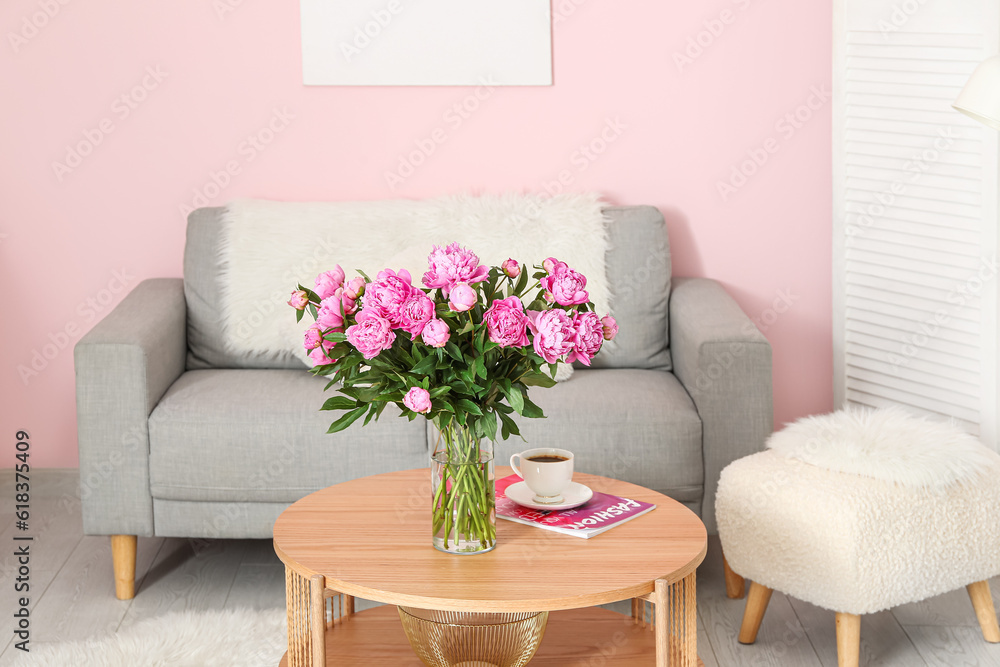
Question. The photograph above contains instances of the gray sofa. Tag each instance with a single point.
(178, 437)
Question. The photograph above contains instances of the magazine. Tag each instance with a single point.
(599, 514)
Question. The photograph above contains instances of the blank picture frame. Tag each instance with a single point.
(426, 42)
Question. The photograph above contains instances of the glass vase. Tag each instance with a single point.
(463, 501)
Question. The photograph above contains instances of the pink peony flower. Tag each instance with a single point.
(415, 312)
(328, 282)
(588, 337)
(551, 265)
(566, 286)
(387, 294)
(451, 265)
(321, 355)
(610, 327)
(372, 334)
(355, 288)
(436, 333)
(313, 337)
(299, 300)
(418, 400)
(553, 333)
(330, 315)
(511, 268)
(463, 297)
(506, 322)
(350, 305)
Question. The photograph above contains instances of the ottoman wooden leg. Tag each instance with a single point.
(735, 584)
(848, 639)
(982, 601)
(753, 613)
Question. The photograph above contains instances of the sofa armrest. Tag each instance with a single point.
(724, 362)
(123, 367)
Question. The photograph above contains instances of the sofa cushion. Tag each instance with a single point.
(638, 265)
(636, 425)
(638, 268)
(258, 435)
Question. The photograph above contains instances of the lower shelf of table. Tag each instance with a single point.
(573, 638)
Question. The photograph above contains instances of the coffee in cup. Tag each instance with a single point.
(546, 471)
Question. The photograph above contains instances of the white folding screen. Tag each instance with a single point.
(915, 211)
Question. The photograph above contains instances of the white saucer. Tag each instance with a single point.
(573, 496)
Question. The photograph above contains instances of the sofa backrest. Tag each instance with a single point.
(638, 265)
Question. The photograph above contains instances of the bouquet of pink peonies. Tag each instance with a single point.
(462, 350)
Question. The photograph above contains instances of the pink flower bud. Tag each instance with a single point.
(328, 282)
(511, 268)
(462, 298)
(435, 333)
(610, 327)
(313, 337)
(299, 300)
(355, 288)
(418, 399)
(547, 295)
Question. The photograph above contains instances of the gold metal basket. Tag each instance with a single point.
(466, 639)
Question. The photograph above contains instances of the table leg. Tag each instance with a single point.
(676, 623)
(306, 609)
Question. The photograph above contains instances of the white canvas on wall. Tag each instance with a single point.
(426, 42)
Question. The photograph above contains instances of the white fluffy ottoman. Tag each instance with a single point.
(860, 511)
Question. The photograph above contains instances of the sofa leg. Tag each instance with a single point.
(123, 555)
(735, 584)
(982, 601)
(753, 613)
(848, 639)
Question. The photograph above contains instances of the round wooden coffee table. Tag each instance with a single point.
(371, 538)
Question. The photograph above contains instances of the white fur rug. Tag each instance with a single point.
(268, 247)
(245, 637)
(888, 444)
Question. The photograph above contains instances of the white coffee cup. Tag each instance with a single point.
(547, 471)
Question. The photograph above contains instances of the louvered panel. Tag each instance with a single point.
(952, 348)
(958, 266)
(908, 240)
(862, 398)
(917, 278)
(942, 317)
(914, 328)
(912, 201)
(932, 361)
(925, 395)
(952, 304)
(908, 375)
(893, 288)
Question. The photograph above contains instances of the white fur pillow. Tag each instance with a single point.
(888, 444)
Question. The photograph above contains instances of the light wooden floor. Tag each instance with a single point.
(72, 595)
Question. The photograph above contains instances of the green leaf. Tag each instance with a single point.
(531, 410)
(336, 336)
(489, 422)
(371, 413)
(538, 380)
(299, 314)
(508, 424)
(522, 282)
(339, 403)
(479, 367)
(347, 419)
(312, 311)
(469, 406)
(425, 366)
(363, 275)
(439, 391)
(516, 398)
(452, 350)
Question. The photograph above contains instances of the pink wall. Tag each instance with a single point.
(74, 243)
